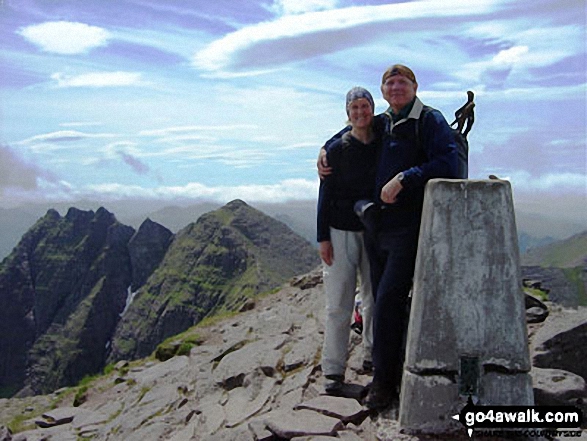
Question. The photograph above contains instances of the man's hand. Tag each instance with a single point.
(322, 164)
(390, 190)
(326, 252)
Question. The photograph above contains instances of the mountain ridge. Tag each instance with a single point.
(68, 325)
(534, 229)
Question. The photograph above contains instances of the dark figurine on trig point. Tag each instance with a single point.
(466, 114)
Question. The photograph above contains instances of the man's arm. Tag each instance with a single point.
(322, 163)
(440, 148)
(441, 152)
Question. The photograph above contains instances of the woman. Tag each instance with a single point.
(340, 236)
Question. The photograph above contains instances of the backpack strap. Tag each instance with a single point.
(418, 127)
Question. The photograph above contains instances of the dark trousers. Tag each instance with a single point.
(392, 255)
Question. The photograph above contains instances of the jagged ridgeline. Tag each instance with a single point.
(65, 289)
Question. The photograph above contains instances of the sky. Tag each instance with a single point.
(191, 100)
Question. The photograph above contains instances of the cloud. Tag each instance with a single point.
(522, 47)
(136, 164)
(291, 189)
(81, 124)
(549, 182)
(63, 37)
(510, 56)
(288, 7)
(300, 36)
(64, 136)
(183, 129)
(99, 79)
(15, 172)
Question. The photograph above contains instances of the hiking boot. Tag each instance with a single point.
(334, 385)
(380, 396)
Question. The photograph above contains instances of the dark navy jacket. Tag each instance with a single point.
(422, 151)
(352, 179)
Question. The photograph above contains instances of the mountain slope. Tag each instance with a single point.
(227, 256)
(568, 253)
(68, 285)
(61, 291)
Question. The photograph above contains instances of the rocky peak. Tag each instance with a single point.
(236, 205)
(147, 248)
(76, 215)
(52, 215)
(214, 264)
(65, 286)
(64, 274)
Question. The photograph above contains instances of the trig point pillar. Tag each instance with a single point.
(467, 333)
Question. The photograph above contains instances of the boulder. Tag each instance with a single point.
(561, 342)
(555, 387)
(288, 424)
(5, 434)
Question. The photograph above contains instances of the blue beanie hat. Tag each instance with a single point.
(359, 92)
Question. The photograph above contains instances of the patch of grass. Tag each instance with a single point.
(108, 369)
(575, 276)
(80, 396)
(143, 392)
(20, 423)
(542, 295)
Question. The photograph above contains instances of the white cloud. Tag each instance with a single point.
(183, 129)
(287, 7)
(81, 124)
(526, 46)
(235, 51)
(510, 56)
(63, 37)
(64, 136)
(99, 79)
(292, 189)
(524, 181)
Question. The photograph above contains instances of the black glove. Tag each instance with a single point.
(368, 213)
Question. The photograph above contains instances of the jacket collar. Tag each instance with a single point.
(414, 113)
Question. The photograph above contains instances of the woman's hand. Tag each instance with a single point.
(326, 252)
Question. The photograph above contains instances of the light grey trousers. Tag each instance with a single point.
(349, 266)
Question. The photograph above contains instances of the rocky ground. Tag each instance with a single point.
(253, 376)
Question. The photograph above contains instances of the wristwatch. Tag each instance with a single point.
(400, 177)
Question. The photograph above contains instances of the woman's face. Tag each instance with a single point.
(360, 113)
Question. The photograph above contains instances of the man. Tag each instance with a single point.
(417, 145)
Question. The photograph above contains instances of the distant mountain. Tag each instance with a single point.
(61, 290)
(174, 217)
(567, 253)
(217, 263)
(527, 241)
(561, 267)
(67, 288)
(534, 229)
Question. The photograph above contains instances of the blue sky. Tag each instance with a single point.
(186, 100)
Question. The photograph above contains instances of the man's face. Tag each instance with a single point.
(398, 91)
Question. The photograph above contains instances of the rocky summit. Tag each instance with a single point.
(82, 290)
(256, 376)
(216, 264)
(61, 292)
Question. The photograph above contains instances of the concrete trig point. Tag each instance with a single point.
(467, 332)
